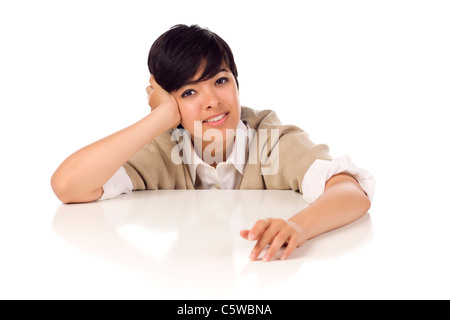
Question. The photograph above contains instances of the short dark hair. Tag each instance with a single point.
(177, 54)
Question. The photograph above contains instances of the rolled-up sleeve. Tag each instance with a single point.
(313, 184)
(119, 183)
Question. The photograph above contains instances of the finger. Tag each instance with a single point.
(149, 90)
(279, 240)
(292, 244)
(153, 82)
(244, 234)
(265, 239)
(258, 229)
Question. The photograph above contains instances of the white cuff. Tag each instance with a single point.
(313, 184)
(119, 183)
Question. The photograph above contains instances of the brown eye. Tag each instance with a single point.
(222, 80)
(187, 93)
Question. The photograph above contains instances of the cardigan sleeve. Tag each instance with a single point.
(285, 162)
(280, 155)
(153, 168)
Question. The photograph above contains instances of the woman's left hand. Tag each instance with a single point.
(276, 233)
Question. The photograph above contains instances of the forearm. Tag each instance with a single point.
(81, 176)
(342, 202)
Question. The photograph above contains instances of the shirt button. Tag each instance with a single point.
(217, 186)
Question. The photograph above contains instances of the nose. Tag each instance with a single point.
(211, 99)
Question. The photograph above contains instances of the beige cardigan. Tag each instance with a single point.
(152, 167)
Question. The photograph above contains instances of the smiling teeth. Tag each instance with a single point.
(216, 118)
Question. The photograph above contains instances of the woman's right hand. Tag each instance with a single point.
(159, 98)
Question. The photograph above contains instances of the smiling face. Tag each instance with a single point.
(212, 105)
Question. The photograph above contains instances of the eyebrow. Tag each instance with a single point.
(197, 81)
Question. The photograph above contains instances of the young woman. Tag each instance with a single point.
(198, 136)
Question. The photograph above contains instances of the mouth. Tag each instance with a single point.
(217, 120)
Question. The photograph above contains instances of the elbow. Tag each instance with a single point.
(358, 201)
(69, 187)
(61, 188)
(67, 192)
(364, 203)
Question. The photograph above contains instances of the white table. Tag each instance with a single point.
(186, 245)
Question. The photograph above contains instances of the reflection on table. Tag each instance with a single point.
(189, 241)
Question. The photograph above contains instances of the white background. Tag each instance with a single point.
(369, 78)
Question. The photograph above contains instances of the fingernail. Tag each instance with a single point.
(283, 257)
(251, 236)
(266, 258)
(253, 256)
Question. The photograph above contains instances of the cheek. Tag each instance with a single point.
(189, 113)
(232, 97)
